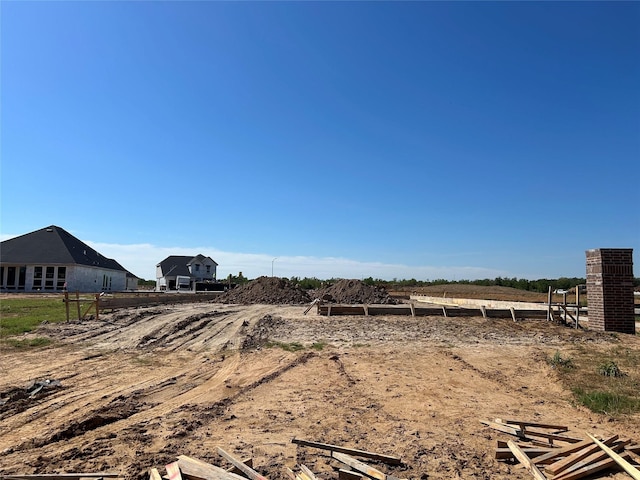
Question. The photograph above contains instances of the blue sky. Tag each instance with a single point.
(346, 139)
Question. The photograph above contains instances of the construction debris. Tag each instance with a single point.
(563, 457)
(189, 468)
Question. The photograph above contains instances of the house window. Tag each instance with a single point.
(48, 279)
(62, 278)
(22, 277)
(197, 267)
(11, 277)
(208, 268)
(37, 278)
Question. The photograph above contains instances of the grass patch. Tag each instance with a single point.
(557, 361)
(609, 403)
(603, 379)
(21, 315)
(318, 345)
(27, 342)
(288, 347)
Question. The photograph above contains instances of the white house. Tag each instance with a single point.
(180, 272)
(52, 260)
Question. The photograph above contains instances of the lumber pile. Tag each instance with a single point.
(550, 452)
(189, 468)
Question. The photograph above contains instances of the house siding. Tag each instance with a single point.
(76, 277)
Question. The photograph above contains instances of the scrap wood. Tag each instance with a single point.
(247, 461)
(559, 466)
(60, 476)
(361, 466)
(173, 470)
(349, 475)
(388, 459)
(589, 461)
(556, 453)
(154, 474)
(248, 471)
(308, 472)
(526, 461)
(590, 469)
(551, 436)
(195, 469)
(505, 453)
(630, 469)
(561, 428)
(502, 427)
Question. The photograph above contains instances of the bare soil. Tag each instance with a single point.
(141, 386)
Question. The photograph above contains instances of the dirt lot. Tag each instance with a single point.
(141, 386)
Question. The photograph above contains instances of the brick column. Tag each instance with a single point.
(610, 290)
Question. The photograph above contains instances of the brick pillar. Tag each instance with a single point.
(610, 290)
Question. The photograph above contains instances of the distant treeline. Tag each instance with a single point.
(541, 285)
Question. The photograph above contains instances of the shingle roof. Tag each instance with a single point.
(179, 264)
(175, 265)
(53, 245)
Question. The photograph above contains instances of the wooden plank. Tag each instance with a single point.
(349, 475)
(552, 436)
(630, 469)
(154, 474)
(526, 461)
(195, 469)
(588, 470)
(388, 459)
(248, 471)
(61, 476)
(173, 470)
(359, 466)
(555, 453)
(247, 461)
(563, 428)
(506, 453)
(504, 428)
(595, 457)
(308, 473)
(290, 473)
(559, 466)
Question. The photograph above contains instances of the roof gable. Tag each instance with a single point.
(53, 245)
(179, 264)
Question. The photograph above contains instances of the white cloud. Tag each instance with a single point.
(141, 259)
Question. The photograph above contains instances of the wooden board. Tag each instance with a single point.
(388, 459)
(195, 469)
(359, 466)
(526, 461)
(248, 471)
(559, 466)
(173, 470)
(349, 475)
(630, 469)
(590, 469)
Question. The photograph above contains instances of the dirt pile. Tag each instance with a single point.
(354, 292)
(267, 290)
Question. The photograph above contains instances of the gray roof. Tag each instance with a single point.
(53, 246)
(179, 264)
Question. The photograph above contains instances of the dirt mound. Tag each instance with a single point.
(354, 292)
(267, 290)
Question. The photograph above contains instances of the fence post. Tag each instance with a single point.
(66, 303)
(78, 304)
